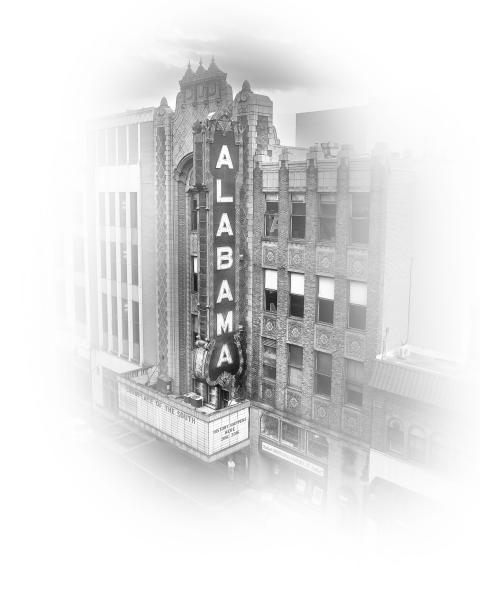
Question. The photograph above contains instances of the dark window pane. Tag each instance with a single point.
(360, 231)
(323, 384)
(317, 446)
(325, 310)
(136, 322)
(360, 206)
(271, 225)
(134, 264)
(133, 209)
(327, 229)
(328, 210)
(298, 227)
(114, 316)
(290, 435)
(323, 363)
(270, 426)
(296, 305)
(357, 317)
(193, 215)
(271, 300)
(354, 395)
(269, 371)
(298, 208)
(295, 356)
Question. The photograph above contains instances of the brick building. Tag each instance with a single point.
(238, 292)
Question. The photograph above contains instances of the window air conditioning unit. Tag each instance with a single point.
(193, 399)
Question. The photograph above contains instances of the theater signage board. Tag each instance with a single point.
(225, 354)
(206, 434)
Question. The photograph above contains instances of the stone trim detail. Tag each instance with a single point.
(295, 332)
(269, 255)
(293, 400)
(320, 411)
(355, 345)
(296, 257)
(352, 422)
(325, 260)
(324, 339)
(357, 264)
(269, 327)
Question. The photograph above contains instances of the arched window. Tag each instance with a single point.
(417, 445)
(395, 436)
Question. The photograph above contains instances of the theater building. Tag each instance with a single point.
(240, 291)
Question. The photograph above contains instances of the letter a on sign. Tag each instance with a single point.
(224, 158)
(225, 292)
(225, 356)
(224, 226)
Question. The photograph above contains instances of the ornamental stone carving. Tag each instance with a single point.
(325, 263)
(357, 264)
(268, 394)
(296, 257)
(324, 338)
(269, 327)
(352, 423)
(320, 411)
(293, 400)
(355, 345)
(295, 332)
(269, 255)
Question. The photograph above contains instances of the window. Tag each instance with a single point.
(270, 359)
(357, 310)
(78, 257)
(133, 143)
(195, 330)
(395, 436)
(360, 218)
(271, 215)
(80, 305)
(136, 322)
(193, 212)
(111, 146)
(317, 446)
(133, 209)
(291, 436)
(296, 294)
(125, 323)
(417, 444)
(101, 209)
(134, 264)
(122, 145)
(327, 214)
(269, 426)
(194, 274)
(323, 374)
(113, 261)
(114, 316)
(111, 206)
(297, 216)
(295, 366)
(123, 259)
(270, 287)
(123, 209)
(326, 294)
(103, 259)
(354, 380)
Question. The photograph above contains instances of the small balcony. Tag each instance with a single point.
(202, 431)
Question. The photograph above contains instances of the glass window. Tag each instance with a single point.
(271, 215)
(133, 209)
(122, 144)
(323, 373)
(360, 218)
(417, 445)
(357, 310)
(291, 435)
(395, 436)
(297, 216)
(133, 143)
(270, 359)
(123, 209)
(113, 261)
(270, 289)
(297, 281)
(327, 215)
(134, 264)
(136, 322)
(269, 426)
(194, 274)
(295, 366)
(326, 294)
(195, 329)
(114, 316)
(354, 380)
(317, 445)
(193, 212)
